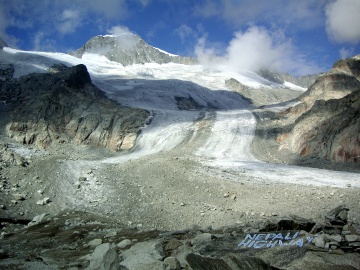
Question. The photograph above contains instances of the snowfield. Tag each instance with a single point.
(218, 133)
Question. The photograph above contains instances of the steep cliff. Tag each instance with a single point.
(65, 106)
(327, 121)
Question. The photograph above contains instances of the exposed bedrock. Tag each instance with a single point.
(326, 124)
(65, 106)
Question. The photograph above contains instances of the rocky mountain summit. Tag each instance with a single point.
(325, 123)
(64, 106)
(128, 49)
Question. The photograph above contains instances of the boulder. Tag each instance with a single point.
(38, 219)
(143, 256)
(104, 257)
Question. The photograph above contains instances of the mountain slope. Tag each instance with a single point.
(326, 124)
(128, 49)
(65, 106)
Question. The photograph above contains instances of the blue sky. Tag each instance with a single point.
(298, 37)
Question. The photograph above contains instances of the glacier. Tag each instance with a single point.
(218, 134)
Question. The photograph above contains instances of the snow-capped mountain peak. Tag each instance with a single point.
(127, 49)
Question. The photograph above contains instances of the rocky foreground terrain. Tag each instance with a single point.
(65, 205)
(72, 240)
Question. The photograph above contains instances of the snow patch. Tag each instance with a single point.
(294, 86)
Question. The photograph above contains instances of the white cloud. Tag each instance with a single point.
(126, 38)
(254, 49)
(343, 21)
(209, 55)
(119, 30)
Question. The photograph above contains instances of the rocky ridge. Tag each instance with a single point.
(262, 96)
(128, 49)
(325, 124)
(64, 106)
(303, 81)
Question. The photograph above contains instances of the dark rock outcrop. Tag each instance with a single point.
(6, 72)
(65, 106)
(128, 49)
(327, 121)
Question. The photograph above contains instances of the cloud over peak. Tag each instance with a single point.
(256, 48)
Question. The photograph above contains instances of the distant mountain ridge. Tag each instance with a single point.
(128, 49)
(303, 81)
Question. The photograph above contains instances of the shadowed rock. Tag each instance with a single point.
(65, 106)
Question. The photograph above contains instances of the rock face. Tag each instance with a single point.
(327, 121)
(65, 106)
(6, 71)
(128, 49)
